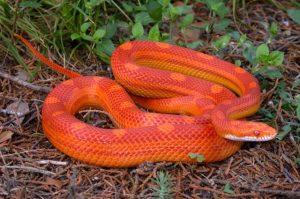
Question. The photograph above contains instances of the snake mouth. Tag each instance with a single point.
(250, 138)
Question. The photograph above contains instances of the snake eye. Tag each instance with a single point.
(256, 132)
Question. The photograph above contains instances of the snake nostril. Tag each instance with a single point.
(256, 132)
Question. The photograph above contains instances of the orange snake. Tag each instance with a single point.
(164, 78)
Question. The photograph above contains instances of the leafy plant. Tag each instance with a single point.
(200, 158)
(228, 189)
(163, 189)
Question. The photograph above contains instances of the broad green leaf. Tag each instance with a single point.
(137, 30)
(87, 37)
(111, 30)
(242, 40)
(262, 50)
(235, 35)
(128, 6)
(75, 36)
(144, 18)
(273, 73)
(85, 26)
(154, 9)
(228, 189)
(285, 130)
(200, 158)
(99, 34)
(297, 99)
(296, 83)
(222, 42)
(154, 33)
(221, 25)
(294, 14)
(249, 52)
(297, 160)
(195, 44)
(108, 46)
(274, 29)
(298, 111)
(187, 20)
(29, 4)
(165, 3)
(237, 62)
(276, 58)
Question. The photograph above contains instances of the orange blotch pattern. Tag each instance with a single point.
(216, 88)
(126, 104)
(115, 87)
(126, 46)
(131, 66)
(204, 56)
(119, 132)
(166, 128)
(188, 120)
(252, 85)
(239, 70)
(177, 77)
(220, 115)
(52, 100)
(162, 45)
(78, 125)
(69, 83)
(57, 113)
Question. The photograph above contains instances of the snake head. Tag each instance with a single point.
(251, 131)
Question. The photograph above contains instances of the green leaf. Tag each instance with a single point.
(228, 189)
(285, 130)
(87, 37)
(165, 3)
(144, 18)
(262, 50)
(111, 30)
(221, 25)
(242, 40)
(128, 6)
(237, 62)
(273, 73)
(99, 34)
(235, 35)
(297, 160)
(249, 52)
(276, 58)
(155, 10)
(108, 46)
(137, 30)
(29, 4)
(222, 42)
(85, 26)
(195, 44)
(200, 158)
(294, 14)
(75, 36)
(273, 29)
(297, 99)
(154, 33)
(296, 83)
(187, 20)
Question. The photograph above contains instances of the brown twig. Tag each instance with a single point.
(24, 83)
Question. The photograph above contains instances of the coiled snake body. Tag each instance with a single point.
(164, 78)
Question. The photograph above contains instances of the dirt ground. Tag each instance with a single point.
(30, 167)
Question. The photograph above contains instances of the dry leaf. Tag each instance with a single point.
(18, 108)
(51, 181)
(22, 74)
(5, 135)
